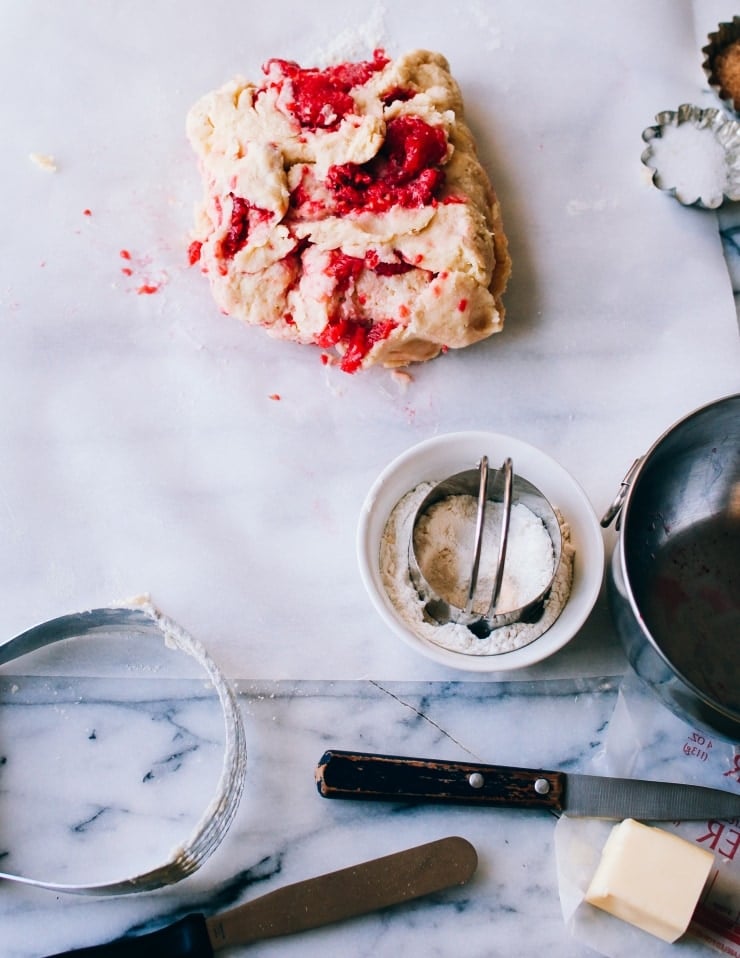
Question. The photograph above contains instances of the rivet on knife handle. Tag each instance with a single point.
(343, 774)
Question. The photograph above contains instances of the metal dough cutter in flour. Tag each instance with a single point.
(486, 486)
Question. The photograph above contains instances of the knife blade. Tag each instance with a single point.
(359, 775)
(328, 898)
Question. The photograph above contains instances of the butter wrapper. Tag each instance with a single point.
(679, 753)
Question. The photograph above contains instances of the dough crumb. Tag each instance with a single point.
(44, 161)
(402, 377)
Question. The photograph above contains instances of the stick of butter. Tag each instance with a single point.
(650, 878)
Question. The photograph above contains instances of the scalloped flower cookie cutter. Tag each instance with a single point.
(694, 155)
(140, 617)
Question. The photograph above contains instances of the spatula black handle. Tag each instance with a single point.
(361, 775)
(187, 938)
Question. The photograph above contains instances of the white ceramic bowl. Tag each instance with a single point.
(442, 456)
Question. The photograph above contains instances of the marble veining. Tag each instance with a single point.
(144, 450)
(730, 232)
(285, 831)
(109, 763)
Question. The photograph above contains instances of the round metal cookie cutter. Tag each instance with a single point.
(486, 485)
(142, 618)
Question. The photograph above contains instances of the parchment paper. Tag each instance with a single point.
(682, 754)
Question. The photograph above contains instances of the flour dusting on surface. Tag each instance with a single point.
(354, 42)
(489, 30)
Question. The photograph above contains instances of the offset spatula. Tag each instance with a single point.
(307, 904)
(393, 778)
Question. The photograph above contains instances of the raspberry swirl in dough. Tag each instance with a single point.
(346, 208)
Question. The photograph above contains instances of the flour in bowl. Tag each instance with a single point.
(444, 543)
(527, 570)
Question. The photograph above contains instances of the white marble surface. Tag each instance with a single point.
(142, 453)
(156, 782)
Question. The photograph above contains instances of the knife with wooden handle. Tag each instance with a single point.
(318, 901)
(360, 775)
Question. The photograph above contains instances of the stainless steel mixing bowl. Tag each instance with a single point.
(674, 576)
